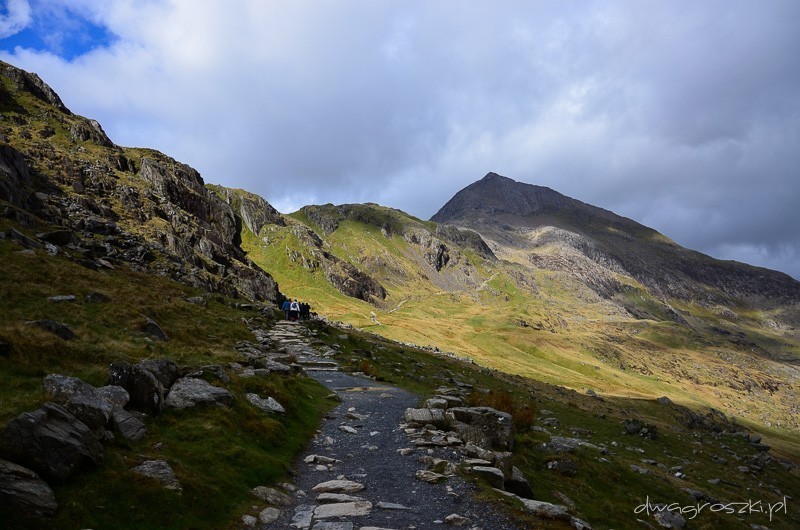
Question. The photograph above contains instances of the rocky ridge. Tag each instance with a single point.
(115, 205)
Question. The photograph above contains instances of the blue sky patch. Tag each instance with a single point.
(62, 33)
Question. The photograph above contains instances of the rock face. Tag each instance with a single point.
(598, 243)
(161, 208)
(50, 441)
(24, 490)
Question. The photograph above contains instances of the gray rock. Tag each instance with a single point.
(163, 369)
(518, 484)
(249, 521)
(190, 392)
(269, 515)
(114, 394)
(338, 486)
(567, 468)
(97, 298)
(455, 519)
(302, 516)
(391, 506)
(213, 371)
(436, 403)
(24, 240)
(331, 525)
(496, 428)
(435, 417)
(80, 398)
(669, 519)
(50, 441)
(271, 496)
(492, 475)
(430, 477)
(267, 405)
(59, 329)
(146, 392)
(161, 471)
(546, 510)
(62, 298)
(151, 328)
(664, 400)
(343, 509)
(128, 425)
(22, 489)
(324, 498)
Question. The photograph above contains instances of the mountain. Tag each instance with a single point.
(519, 216)
(632, 369)
(115, 204)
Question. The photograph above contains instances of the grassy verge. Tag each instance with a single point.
(218, 454)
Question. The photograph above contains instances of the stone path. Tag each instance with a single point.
(360, 471)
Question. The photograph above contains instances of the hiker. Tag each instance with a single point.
(285, 307)
(294, 310)
(305, 311)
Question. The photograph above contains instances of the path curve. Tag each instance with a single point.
(364, 435)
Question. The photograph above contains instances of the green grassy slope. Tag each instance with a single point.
(218, 454)
(544, 324)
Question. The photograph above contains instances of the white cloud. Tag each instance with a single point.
(680, 115)
(16, 18)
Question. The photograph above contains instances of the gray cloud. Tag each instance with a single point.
(681, 115)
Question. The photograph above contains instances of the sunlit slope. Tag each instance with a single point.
(526, 317)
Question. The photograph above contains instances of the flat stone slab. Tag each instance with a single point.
(324, 498)
(338, 486)
(343, 509)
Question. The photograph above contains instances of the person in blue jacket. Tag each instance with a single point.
(285, 307)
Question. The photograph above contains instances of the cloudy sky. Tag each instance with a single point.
(683, 115)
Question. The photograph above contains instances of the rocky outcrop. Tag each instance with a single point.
(50, 441)
(122, 206)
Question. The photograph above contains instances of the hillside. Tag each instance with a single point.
(621, 387)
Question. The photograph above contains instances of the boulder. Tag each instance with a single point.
(22, 489)
(518, 484)
(128, 425)
(267, 405)
(59, 329)
(80, 398)
(151, 328)
(191, 392)
(492, 475)
(146, 392)
(114, 394)
(483, 426)
(435, 417)
(50, 441)
(160, 471)
(212, 371)
(163, 369)
(271, 496)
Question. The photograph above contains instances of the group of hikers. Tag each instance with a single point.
(295, 310)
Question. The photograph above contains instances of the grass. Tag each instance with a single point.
(606, 489)
(218, 454)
